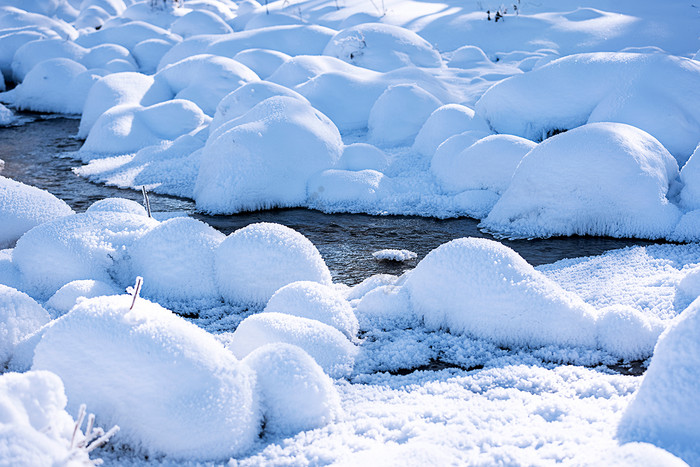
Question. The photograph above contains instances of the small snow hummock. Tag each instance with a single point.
(394, 255)
(20, 316)
(254, 262)
(315, 301)
(68, 296)
(328, 346)
(171, 386)
(295, 394)
(665, 408)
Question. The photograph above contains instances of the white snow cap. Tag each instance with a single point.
(488, 164)
(36, 429)
(254, 262)
(447, 120)
(176, 260)
(361, 156)
(20, 316)
(328, 346)
(382, 47)
(665, 407)
(599, 179)
(23, 207)
(171, 387)
(67, 296)
(315, 301)
(483, 288)
(265, 158)
(295, 394)
(394, 255)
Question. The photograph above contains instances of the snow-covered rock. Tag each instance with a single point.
(394, 255)
(176, 260)
(690, 176)
(254, 262)
(485, 289)
(663, 411)
(600, 179)
(23, 207)
(328, 346)
(68, 296)
(315, 301)
(361, 156)
(446, 121)
(20, 316)
(295, 394)
(263, 62)
(122, 205)
(265, 158)
(199, 22)
(171, 387)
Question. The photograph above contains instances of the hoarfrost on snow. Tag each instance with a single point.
(20, 316)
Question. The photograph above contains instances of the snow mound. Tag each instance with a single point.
(446, 121)
(599, 179)
(23, 207)
(36, 429)
(127, 128)
(239, 102)
(483, 288)
(263, 62)
(289, 39)
(135, 368)
(117, 89)
(664, 409)
(488, 164)
(148, 54)
(58, 85)
(176, 260)
(295, 394)
(328, 346)
(399, 113)
(223, 75)
(7, 116)
(386, 307)
(382, 47)
(127, 35)
(199, 22)
(20, 316)
(345, 189)
(82, 246)
(614, 87)
(627, 332)
(467, 57)
(395, 255)
(361, 156)
(265, 158)
(122, 205)
(70, 294)
(254, 262)
(690, 176)
(315, 301)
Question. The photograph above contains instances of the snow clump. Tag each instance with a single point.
(394, 255)
(607, 179)
(315, 301)
(295, 394)
(664, 409)
(68, 296)
(20, 316)
(328, 346)
(23, 207)
(135, 367)
(447, 120)
(254, 262)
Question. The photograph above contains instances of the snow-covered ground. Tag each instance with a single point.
(539, 118)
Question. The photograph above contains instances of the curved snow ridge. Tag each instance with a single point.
(628, 88)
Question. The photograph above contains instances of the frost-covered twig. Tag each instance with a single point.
(146, 201)
(135, 290)
(93, 438)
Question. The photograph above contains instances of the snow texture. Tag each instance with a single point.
(20, 316)
(394, 255)
(70, 294)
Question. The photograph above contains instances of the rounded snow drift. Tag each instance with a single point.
(20, 316)
(124, 205)
(67, 296)
(446, 121)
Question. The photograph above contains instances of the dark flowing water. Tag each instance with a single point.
(346, 241)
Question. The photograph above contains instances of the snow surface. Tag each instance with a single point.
(20, 316)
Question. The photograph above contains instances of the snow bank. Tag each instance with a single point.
(614, 87)
(485, 289)
(171, 387)
(117, 89)
(176, 260)
(36, 429)
(446, 121)
(129, 127)
(664, 409)
(82, 246)
(382, 47)
(399, 113)
(600, 179)
(68, 296)
(488, 164)
(23, 207)
(295, 394)
(315, 301)
(254, 262)
(328, 346)
(20, 316)
(58, 85)
(223, 75)
(265, 158)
